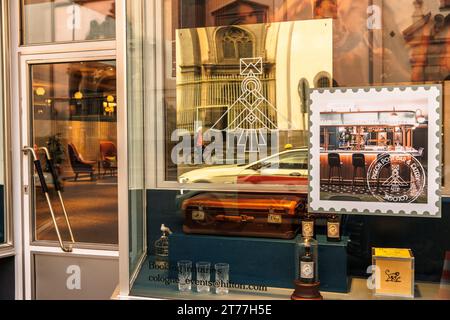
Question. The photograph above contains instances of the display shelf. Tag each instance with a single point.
(143, 289)
(262, 261)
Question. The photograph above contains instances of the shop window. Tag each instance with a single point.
(370, 43)
(50, 21)
(237, 89)
(74, 116)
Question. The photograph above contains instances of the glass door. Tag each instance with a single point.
(71, 190)
(74, 116)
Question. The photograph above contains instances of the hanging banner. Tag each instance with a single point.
(376, 150)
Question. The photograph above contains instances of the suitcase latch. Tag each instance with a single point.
(273, 218)
(198, 215)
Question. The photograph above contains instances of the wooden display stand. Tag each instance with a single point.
(306, 291)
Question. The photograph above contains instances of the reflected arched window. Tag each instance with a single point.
(323, 80)
(235, 43)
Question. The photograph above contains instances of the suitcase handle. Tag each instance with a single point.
(237, 219)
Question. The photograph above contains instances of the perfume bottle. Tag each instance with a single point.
(307, 252)
(333, 228)
(308, 226)
(162, 249)
(307, 267)
(307, 285)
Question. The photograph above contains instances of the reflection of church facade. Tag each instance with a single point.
(206, 89)
(210, 81)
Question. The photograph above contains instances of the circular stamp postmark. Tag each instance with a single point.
(397, 178)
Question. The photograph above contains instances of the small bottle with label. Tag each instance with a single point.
(308, 226)
(333, 228)
(307, 267)
(307, 252)
(162, 249)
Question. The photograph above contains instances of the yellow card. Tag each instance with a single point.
(392, 253)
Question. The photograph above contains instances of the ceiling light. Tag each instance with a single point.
(393, 113)
(78, 95)
(40, 92)
(420, 117)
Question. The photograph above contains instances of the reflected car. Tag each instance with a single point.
(288, 167)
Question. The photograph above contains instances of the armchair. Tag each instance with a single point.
(79, 165)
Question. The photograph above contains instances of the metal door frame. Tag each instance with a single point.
(7, 247)
(22, 57)
(31, 247)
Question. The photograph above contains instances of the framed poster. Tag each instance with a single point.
(376, 150)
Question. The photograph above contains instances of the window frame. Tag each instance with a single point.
(21, 34)
(7, 247)
(23, 249)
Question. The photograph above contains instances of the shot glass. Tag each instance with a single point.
(222, 277)
(203, 276)
(184, 275)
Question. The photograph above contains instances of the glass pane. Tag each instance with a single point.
(48, 21)
(242, 108)
(136, 120)
(3, 218)
(75, 116)
(400, 42)
(371, 42)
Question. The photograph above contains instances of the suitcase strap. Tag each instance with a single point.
(237, 219)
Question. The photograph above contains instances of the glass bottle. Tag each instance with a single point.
(307, 267)
(307, 257)
(333, 228)
(308, 226)
(162, 249)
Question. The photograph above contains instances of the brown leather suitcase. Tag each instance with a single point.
(244, 214)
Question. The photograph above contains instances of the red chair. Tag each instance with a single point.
(108, 152)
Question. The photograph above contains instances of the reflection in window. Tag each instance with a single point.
(46, 21)
(236, 43)
(407, 41)
(252, 98)
(323, 80)
(445, 4)
(325, 9)
(74, 116)
(240, 12)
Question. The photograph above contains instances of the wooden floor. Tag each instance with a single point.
(92, 207)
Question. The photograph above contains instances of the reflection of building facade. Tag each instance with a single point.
(205, 89)
(427, 38)
(209, 78)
